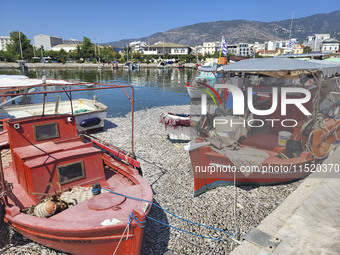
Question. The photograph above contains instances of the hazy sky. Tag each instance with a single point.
(111, 20)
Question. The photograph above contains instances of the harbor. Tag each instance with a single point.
(166, 166)
(169, 133)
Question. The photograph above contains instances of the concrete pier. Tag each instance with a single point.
(308, 221)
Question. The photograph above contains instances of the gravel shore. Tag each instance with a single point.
(166, 166)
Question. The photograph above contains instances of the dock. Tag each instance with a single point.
(308, 221)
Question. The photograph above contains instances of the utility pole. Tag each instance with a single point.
(20, 46)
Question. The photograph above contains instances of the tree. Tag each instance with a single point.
(86, 49)
(14, 47)
(307, 49)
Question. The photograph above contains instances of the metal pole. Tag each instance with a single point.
(20, 46)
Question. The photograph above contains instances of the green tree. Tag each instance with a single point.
(6, 56)
(307, 49)
(14, 47)
(86, 49)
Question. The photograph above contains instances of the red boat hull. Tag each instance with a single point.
(106, 244)
(207, 165)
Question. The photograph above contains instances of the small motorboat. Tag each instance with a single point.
(179, 127)
(71, 192)
(131, 66)
(162, 65)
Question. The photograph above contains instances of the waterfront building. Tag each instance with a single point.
(233, 49)
(244, 50)
(330, 45)
(66, 47)
(211, 47)
(270, 45)
(46, 41)
(162, 48)
(137, 46)
(4, 41)
(295, 49)
(315, 41)
(197, 50)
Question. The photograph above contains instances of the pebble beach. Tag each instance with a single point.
(166, 167)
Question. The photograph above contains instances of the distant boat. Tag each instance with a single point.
(162, 65)
(131, 66)
(181, 65)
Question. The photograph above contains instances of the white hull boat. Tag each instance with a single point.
(89, 114)
(178, 127)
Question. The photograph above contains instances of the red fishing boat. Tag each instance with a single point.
(72, 192)
(263, 149)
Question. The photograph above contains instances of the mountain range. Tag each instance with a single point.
(246, 31)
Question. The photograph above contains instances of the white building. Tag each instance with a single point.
(315, 41)
(330, 45)
(270, 45)
(71, 41)
(46, 41)
(197, 50)
(66, 47)
(244, 50)
(211, 47)
(161, 48)
(258, 46)
(4, 41)
(137, 46)
(233, 49)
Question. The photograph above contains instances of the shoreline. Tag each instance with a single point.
(82, 66)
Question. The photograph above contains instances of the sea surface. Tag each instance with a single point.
(153, 87)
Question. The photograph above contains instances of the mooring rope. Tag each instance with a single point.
(140, 223)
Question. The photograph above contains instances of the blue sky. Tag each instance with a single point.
(111, 20)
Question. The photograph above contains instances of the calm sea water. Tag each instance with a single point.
(153, 87)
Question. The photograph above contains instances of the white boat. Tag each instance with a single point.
(89, 114)
(162, 65)
(131, 66)
(178, 127)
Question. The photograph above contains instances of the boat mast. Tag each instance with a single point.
(291, 25)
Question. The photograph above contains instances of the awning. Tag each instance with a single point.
(280, 67)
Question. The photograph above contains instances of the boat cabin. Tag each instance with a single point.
(49, 150)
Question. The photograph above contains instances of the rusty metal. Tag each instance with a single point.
(3, 186)
(102, 86)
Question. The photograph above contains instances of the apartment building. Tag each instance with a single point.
(4, 41)
(315, 41)
(211, 47)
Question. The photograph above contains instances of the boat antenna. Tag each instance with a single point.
(291, 26)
